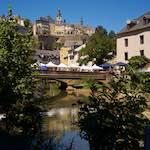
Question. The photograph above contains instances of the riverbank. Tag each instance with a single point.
(64, 100)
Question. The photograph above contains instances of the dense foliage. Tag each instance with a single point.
(16, 51)
(138, 62)
(139, 78)
(101, 46)
(112, 118)
(22, 116)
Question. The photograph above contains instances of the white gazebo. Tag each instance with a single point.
(96, 68)
(85, 68)
(51, 66)
(74, 67)
(62, 67)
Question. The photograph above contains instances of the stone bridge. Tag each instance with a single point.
(71, 77)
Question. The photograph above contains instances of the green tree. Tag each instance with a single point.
(27, 23)
(139, 78)
(138, 62)
(112, 118)
(16, 82)
(101, 46)
(16, 51)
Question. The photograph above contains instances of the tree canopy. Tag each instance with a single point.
(138, 62)
(113, 117)
(16, 51)
(101, 46)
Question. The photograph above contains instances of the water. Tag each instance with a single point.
(61, 123)
(61, 119)
(58, 123)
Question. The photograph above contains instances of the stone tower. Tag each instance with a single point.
(59, 17)
(81, 21)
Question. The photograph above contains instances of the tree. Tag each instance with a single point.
(112, 118)
(139, 78)
(138, 62)
(101, 45)
(23, 117)
(16, 51)
(27, 23)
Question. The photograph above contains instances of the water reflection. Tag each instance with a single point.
(61, 123)
(60, 119)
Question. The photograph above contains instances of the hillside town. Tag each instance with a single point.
(60, 42)
(48, 31)
(74, 86)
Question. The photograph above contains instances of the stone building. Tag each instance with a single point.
(48, 31)
(134, 39)
(59, 27)
(73, 55)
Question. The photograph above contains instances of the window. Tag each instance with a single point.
(142, 52)
(71, 57)
(142, 39)
(146, 20)
(126, 42)
(126, 55)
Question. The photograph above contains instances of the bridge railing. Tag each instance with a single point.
(101, 75)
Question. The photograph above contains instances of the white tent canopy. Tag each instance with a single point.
(74, 66)
(62, 65)
(95, 67)
(42, 65)
(50, 64)
(83, 67)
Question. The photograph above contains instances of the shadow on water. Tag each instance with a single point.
(12, 142)
(57, 128)
(58, 132)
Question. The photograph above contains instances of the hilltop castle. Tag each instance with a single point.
(67, 36)
(59, 27)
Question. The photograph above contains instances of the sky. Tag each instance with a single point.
(111, 14)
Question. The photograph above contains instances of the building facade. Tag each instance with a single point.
(59, 27)
(67, 36)
(134, 39)
(73, 55)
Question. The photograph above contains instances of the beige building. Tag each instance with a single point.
(73, 55)
(134, 39)
(70, 43)
(59, 27)
(66, 36)
(64, 55)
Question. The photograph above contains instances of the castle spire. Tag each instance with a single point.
(59, 16)
(81, 21)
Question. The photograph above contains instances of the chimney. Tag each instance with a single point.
(131, 23)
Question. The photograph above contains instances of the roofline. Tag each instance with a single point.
(123, 32)
(133, 32)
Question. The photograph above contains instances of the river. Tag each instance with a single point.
(61, 124)
(61, 119)
(58, 123)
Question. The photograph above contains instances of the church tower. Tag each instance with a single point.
(59, 17)
(81, 21)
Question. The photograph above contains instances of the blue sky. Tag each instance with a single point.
(112, 14)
